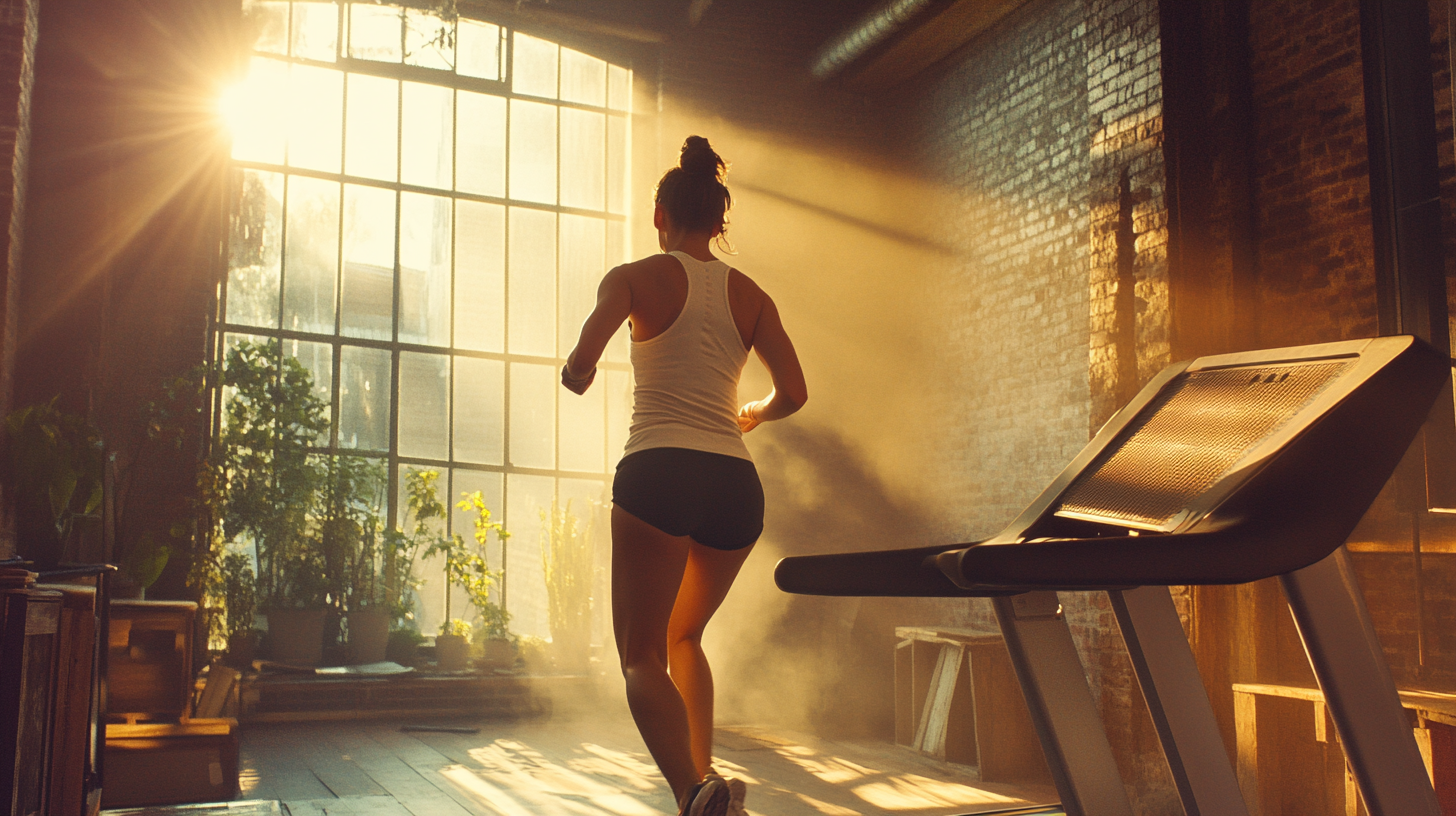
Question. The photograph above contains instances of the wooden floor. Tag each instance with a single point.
(584, 767)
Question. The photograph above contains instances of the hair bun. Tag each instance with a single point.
(699, 159)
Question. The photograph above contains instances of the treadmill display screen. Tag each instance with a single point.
(1198, 430)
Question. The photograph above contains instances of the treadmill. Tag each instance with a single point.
(1223, 470)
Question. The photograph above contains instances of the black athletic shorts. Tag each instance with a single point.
(714, 498)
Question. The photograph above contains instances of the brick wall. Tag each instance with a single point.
(18, 27)
(1316, 256)
(1006, 129)
(1050, 130)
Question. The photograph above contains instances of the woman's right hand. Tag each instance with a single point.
(747, 420)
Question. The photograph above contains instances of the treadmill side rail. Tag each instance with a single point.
(1349, 664)
(1062, 709)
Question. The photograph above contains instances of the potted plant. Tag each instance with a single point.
(54, 465)
(466, 567)
(239, 599)
(346, 527)
(566, 560)
(266, 484)
(452, 645)
(498, 644)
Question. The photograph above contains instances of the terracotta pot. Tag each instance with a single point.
(368, 636)
(296, 636)
(452, 652)
(500, 653)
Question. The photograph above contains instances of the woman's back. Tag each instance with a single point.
(688, 353)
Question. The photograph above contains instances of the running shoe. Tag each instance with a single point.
(708, 798)
(736, 791)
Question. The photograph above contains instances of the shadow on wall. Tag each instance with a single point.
(820, 664)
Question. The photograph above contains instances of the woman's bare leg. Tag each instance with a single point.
(647, 569)
(706, 580)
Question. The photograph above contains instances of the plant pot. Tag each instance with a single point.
(368, 636)
(242, 648)
(403, 647)
(452, 652)
(500, 653)
(296, 636)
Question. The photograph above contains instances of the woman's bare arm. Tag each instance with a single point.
(776, 350)
(614, 304)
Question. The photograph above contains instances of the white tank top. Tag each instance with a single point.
(687, 377)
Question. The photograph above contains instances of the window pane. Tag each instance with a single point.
(371, 144)
(255, 245)
(269, 18)
(480, 411)
(617, 164)
(428, 125)
(533, 151)
(619, 413)
(318, 358)
(424, 269)
(374, 32)
(583, 178)
(368, 301)
(364, 398)
(526, 497)
(428, 40)
(257, 122)
(316, 30)
(532, 305)
(583, 430)
(316, 118)
(230, 342)
(424, 405)
(430, 597)
(533, 415)
(583, 78)
(582, 239)
(533, 66)
(480, 276)
(616, 351)
(480, 137)
(479, 49)
(619, 88)
(489, 486)
(312, 266)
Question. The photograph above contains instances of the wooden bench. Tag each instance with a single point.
(1433, 716)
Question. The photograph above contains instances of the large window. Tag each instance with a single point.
(422, 210)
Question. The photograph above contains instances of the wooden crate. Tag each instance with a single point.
(150, 670)
(29, 623)
(957, 698)
(171, 763)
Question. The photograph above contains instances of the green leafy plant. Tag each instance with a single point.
(264, 479)
(455, 627)
(566, 559)
(238, 593)
(346, 526)
(55, 465)
(494, 618)
(466, 567)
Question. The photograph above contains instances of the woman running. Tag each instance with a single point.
(687, 503)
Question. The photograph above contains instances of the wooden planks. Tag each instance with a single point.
(587, 766)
